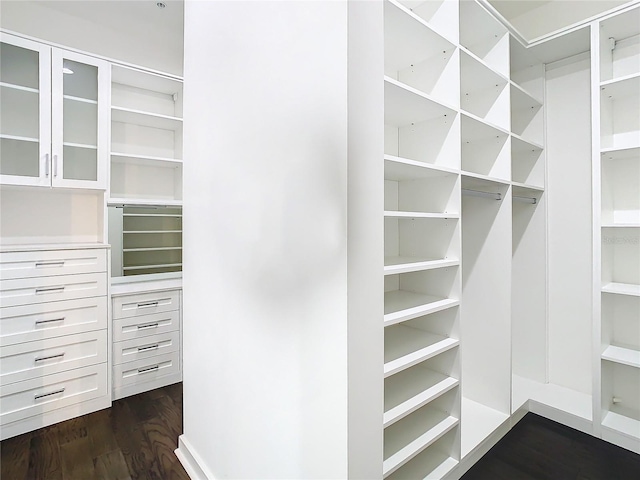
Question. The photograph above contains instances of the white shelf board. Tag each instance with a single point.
(475, 129)
(478, 422)
(400, 305)
(413, 448)
(397, 168)
(152, 215)
(80, 145)
(394, 265)
(19, 138)
(144, 202)
(626, 425)
(152, 267)
(143, 159)
(622, 289)
(145, 80)
(471, 180)
(436, 466)
(136, 232)
(404, 105)
(489, 68)
(522, 145)
(621, 225)
(80, 99)
(150, 249)
(525, 92)
(622, 79)
(620, 153)
(625, 356)
(145, 283)
(526, 188)
(625, 87)
(561, 398)
(408, 39)
(145, 119)
(408, 346)
(398, 214)
(417, 387)
(14, 86)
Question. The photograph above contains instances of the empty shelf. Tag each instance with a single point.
(151, 267)
(413, 389)
(393, 265)
(396, 214)
(145, 119)
(144, 159)
(434, 466)
(620, 153)
(396, 168)
(147, 202)
(621, 88)
(439, 424)
(407, 346)
(622, 289)
(625, 356)
(404, 105)
(620, 423)
(478, 422)
(400, 305)
(14, 86)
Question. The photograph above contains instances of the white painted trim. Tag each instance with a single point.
(191, 461)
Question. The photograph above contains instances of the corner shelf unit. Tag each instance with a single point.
(618, 166)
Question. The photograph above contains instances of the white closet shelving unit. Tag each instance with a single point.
(422, 240)
(618, 168)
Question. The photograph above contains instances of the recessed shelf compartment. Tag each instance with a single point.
(620, 59)
(619, 119)
(144, 179)
(621, 390)
(621, 328)
(485, 149)
(419, 128)
(483, 92)
(527, 71)
(440, 15)
(527, 119)
(621, 256)
(418, 56)
(622, 289)
(406, 346)
(435, 462)
(483, 35)
(620, 172)
(410, 436)
(620, 423)
(527, 162)
(20, 112)
(419, 385)
(478, 422)
(145, 119)
(414, 294)
(624, 356)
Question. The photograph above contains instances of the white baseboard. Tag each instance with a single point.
(191, 461)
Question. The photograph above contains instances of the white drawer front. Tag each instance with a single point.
(51, 262)
(137, 327)
(40, 395)
(43, 357)
(26, 323)
(146, 370)
(28, 291)
(145, 347)
(146, 303)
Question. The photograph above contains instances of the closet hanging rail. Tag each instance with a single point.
(479, 193)
(531, 200)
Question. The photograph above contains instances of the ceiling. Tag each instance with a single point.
(514, 8)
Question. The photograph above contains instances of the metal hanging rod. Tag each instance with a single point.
(531, 200)
(479, 193)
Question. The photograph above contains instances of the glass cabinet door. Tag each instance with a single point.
(80, 87)
(25, 111)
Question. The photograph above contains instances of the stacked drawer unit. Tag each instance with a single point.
(146, 341)
(53, 336)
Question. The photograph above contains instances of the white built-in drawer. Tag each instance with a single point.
(146, 370)
(26, 323)
(146, 303)
(27, 291)
(52, 262)
(40, 395)
(43, 357)
(145, 347)
(137, 327)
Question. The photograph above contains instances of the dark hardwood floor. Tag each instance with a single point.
(134, 439)
(540, 449)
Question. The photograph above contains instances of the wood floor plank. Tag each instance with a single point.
(111, 466)
(44, 455)
(76, 459)
(14, 457)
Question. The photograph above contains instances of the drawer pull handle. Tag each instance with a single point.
(49, 290)
(42, 359)
(148, 304)
(61, 319)
(148, 347)
(148, 369)
(38, 397)
(148, 325)
(55, 263)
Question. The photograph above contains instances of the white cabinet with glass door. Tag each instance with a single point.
(54, 116)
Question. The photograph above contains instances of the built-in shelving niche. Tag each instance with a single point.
(620, 46)
(441, 15)
(485, 149)
(619, 119)
(620, 172)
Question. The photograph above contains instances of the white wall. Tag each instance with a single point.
(120, 30)
(268, 255)
(568, 147)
